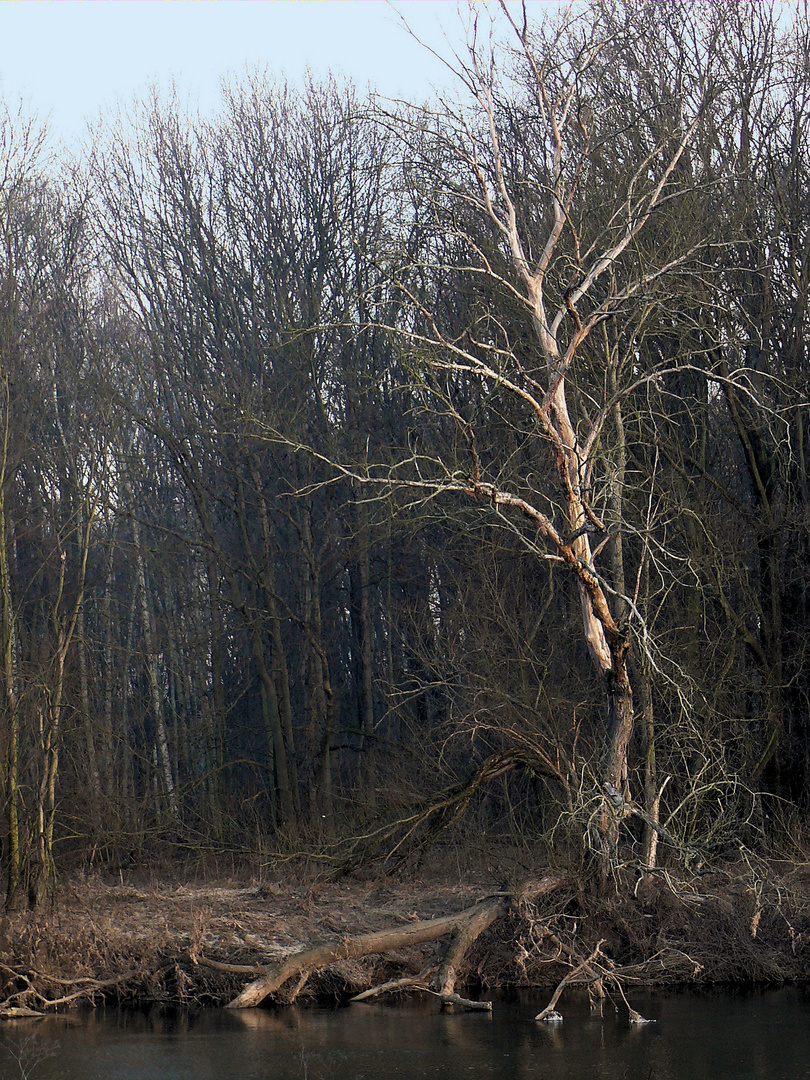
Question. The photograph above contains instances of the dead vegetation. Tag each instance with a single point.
(243, 942)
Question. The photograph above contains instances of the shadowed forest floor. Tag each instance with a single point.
(128, 938)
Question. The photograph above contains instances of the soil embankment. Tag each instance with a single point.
(202, 941)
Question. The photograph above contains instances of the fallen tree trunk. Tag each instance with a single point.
(320, 956)
(444, 983)
(467, 924)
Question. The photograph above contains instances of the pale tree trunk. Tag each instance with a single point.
(561, 332)
(608, 645)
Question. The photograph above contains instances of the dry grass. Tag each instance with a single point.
(142, 939)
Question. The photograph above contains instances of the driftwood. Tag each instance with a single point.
(550, 1012)
(597, 975)
(408, 982)
(20, 1012)
(461, 929)
(466, 925)
(463, 1003)
(420, 982)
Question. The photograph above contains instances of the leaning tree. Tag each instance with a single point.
(553, 210)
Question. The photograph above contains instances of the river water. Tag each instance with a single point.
(710, 1036)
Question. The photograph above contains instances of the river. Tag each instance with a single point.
(751, 1035)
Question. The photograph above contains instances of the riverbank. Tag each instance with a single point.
(200, 938)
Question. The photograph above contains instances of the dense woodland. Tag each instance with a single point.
(370, 470)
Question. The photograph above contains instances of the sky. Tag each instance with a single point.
(69, 59)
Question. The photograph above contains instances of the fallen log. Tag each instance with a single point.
(409, 982)
(20, 1012)
(464, 1003)
(469, 924)
(320, 956)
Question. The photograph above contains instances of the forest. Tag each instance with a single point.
(376, 473)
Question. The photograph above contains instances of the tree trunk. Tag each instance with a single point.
(161, 740)
(366, 639)
(470, 923)
(652, 796)
(279, 659)
(11, 718)
(95, 791)
(108, 629)
(321, 695)
(278, 775)
(214, 715)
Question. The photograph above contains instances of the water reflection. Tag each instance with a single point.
(751, 1036)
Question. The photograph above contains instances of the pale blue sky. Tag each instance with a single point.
(70, 58)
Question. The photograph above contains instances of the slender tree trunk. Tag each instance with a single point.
(107, 740)
(89, 734)
(366, 636)
(214, 715)
(126, 817)
(279, 780)
(44, 873)
(50, 720)
(280, 670)
(161, 740)
(321, 698)
(11, 717)
(652, 796)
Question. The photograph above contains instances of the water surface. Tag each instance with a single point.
(718, 1036)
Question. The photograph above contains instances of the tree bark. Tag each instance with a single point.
(478, 917)
(161, 740)
(11, 719)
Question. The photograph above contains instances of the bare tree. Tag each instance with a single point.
(538, 200)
